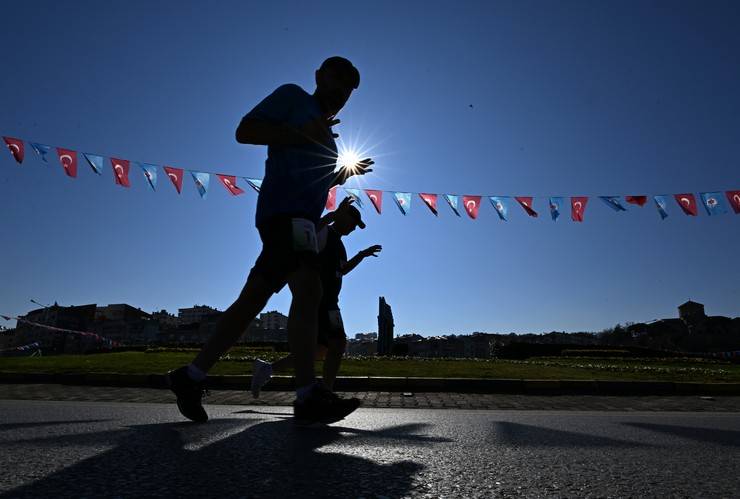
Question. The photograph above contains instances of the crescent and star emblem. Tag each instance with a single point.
(14, 148)
(119, 173)
(686, 201)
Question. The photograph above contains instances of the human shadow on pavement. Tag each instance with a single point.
(36, 424)
(523, 435)
(729, 438)
(231, 458)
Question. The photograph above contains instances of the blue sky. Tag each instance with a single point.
(493, 98)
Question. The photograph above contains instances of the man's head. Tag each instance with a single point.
(348, 220)
(335, 80)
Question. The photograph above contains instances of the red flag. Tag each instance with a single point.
(68, 159)
(16, 148)
(578, 207)
(229, 182)
(638, 200)
(430, 200)
(687, 202)
(526, 203)
(472, 203)
(331, 200)
(120, 171)
(375, 197)
(175, 175)
(734, 198)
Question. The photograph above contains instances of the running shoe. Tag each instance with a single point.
(323, 406)
(261, 374)
(189, 394)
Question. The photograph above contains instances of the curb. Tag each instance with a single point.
(401, 384)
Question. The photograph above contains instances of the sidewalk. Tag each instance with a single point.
(423, 400)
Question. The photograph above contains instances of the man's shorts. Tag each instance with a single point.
(287, 244)
(330, 326)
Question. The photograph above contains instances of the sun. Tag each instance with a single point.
(348, 158)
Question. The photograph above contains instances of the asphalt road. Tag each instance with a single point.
(108, 449)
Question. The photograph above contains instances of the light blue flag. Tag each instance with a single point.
(452, 201)
(613, 203)
(41, 150)
(254, 183)
(403, 201)
(95, 162)
(150, 172)
(556, 205)
(201, 182)
(499, 204)
(355, 194)
(661, 204)
(714, 203)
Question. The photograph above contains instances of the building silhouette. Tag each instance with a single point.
(385, 327)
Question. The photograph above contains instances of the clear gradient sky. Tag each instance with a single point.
(568, 98)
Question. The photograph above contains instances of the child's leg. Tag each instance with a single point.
(333, 360)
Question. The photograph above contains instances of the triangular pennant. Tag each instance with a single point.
(687, 202)
(68, 159)
(613, 203)
(499, 205)
(40, 149)
(526, 203)
(201, 180)
(638, 200)
(229, 182)
(734, 198)
(331, 199)
(713, 203)
(431, 201)
(120, 171)
(150, 172)
(661, 205)
(376, 198)
(354, 194)
(472, 205)
(452, 202)
(15, 146)
(95, 162)
(556, 205)
(578, 207)
(175, 175)
(403, 201)
(254, 183)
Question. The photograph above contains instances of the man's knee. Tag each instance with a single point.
(305, 286)
(255, 294)
(338, 344)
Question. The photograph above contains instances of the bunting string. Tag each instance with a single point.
(714, 202)
(96, 336)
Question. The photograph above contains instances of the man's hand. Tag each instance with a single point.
(319, 130)
(371, 251)
(359, 168)
(345, 204)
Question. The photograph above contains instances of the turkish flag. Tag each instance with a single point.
(638, 200)
(375, 197)
(687, 202)
(578, 207)
(734, 198)
(430, 200)
(120, 171)
(175, 175)
(526, 203)
(68, 159)
(16, 148)
(229, 182)
(472, 204)
(331, 200)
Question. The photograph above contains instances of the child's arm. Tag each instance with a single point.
(355, 260)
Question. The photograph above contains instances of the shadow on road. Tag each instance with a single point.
(728, 438)
(523, 435)
(230, 457)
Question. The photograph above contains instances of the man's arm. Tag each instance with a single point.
(353, 262)
(329, 217)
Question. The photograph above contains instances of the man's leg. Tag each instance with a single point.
(333, 359)
(305, 286)
(234, 321)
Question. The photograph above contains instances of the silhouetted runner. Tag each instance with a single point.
(299, 171)
(333, 265)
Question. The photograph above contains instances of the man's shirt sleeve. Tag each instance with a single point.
(276, 107)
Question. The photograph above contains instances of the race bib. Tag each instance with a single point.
(335, 320)
(304, 236)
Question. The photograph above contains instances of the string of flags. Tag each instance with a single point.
(95, 336)
(31, 346)
(715, 203)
